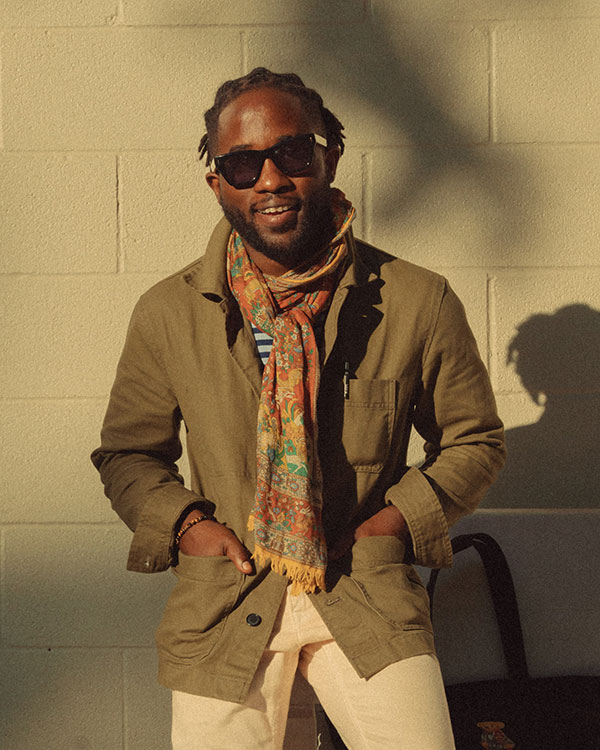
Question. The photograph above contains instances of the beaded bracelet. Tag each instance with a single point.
(189, 525)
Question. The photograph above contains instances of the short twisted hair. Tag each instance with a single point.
(263, 78)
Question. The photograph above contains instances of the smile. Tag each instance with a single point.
(274, 210)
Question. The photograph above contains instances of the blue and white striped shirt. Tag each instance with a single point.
(264, 344)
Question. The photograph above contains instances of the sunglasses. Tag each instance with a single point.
(242, 169)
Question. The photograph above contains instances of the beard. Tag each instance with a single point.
(311, 235)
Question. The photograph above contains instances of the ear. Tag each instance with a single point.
(214, 183)
(332, 157)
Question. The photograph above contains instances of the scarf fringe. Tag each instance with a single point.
(304, 578)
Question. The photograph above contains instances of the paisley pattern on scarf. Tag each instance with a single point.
(286, 518)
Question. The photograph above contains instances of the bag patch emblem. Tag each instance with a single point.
(492, 736)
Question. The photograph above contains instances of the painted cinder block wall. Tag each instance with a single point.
(473, 133)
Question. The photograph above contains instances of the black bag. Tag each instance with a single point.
(520, 712)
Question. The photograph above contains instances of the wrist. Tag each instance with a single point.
(404, 534)
(191, 520)
(396, 518)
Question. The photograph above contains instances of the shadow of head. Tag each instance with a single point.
(557, 354)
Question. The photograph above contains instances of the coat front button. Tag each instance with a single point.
(253, 619)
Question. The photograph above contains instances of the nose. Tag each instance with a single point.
(272, 179)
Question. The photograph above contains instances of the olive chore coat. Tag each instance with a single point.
(190, 360)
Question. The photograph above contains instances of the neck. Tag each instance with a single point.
(272, 267)
(267, 265)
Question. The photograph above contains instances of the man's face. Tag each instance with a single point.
(283, 220)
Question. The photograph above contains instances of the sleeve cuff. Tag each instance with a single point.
(416, 500)
(152, 546)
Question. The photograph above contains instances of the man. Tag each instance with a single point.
(298, 358)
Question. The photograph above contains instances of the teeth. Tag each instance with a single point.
(278, 210)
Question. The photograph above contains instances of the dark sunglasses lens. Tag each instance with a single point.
(294, 155)
(241, 169)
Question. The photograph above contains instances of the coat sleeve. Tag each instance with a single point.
(455, 413)
(139, 449)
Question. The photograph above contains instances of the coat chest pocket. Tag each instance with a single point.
(206, 591)
(368, 424)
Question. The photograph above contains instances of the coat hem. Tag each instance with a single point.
(402, 646)
(190, 679)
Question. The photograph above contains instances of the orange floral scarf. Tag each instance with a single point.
(286, 518)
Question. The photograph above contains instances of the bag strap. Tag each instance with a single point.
(503, 596)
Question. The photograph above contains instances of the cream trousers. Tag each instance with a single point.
(403, 707)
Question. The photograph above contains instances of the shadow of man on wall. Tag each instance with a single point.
(554, 463)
